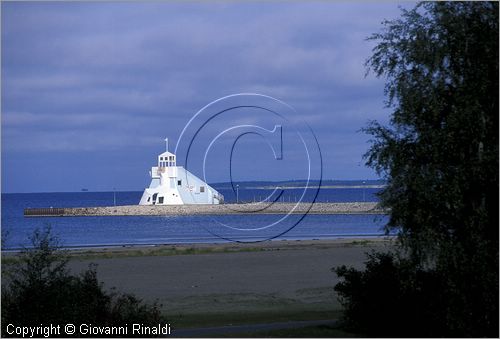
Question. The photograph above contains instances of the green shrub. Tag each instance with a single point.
(394, 297)
(40, 290)
(390, 298)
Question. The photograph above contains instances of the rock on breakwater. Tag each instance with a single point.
(256, 208)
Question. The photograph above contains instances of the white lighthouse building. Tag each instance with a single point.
(174, 185)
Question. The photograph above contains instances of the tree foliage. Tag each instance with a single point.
(440, 153)
(392, 298)
(41, 290)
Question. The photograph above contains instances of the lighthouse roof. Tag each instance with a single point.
(165, 154)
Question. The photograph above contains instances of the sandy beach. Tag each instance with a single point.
(280, 277)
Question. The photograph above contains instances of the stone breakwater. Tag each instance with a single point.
(257, 208)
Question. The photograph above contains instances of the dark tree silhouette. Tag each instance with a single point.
(440, 159)
(40, 290)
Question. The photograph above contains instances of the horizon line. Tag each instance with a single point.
(211, 184)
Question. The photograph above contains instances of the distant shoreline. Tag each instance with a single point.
(312, 186)
(296, 184)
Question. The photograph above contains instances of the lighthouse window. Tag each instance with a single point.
(202, 189)
(160, 200)
(179, 182)
(171, 158)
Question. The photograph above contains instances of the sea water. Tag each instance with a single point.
(144, 230)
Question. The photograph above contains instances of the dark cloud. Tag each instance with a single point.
(113, 79)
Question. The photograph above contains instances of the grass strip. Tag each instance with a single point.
(198, 320)
(320, 331)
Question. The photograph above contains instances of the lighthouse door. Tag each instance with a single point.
(154, 198)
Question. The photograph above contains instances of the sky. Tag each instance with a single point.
(90, 90)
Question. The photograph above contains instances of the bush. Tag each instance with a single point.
(393, 297)
(41, 290)
(386, 299)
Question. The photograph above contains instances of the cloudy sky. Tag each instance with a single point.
(91, 89)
